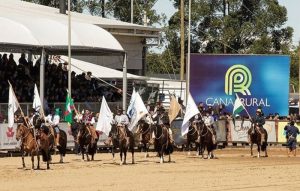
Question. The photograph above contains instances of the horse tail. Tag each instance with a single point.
(265, 143)
(62, 142)
(46, 155)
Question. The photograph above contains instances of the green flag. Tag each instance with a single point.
(69, 109)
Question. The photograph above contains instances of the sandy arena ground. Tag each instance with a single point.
(234, 169)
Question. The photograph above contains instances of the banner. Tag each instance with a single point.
(239, 132)
(8, 136)
(259, 80)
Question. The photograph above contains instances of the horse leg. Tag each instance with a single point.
(251, 149)
(266, 153)
(61, 159)
(32, 161)
(82, 153)
(169, 157)
(132, 154)
(113, 153)
(258, 150)
(161, 154)
(38, 159)
(121, 156)
(125, 155)
(23, 162)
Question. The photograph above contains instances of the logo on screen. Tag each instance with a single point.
(238, 79)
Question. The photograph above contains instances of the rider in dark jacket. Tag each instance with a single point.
(258, 120)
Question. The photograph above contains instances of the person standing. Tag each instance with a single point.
(291, 131)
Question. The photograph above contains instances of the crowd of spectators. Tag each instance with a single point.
(25, 74)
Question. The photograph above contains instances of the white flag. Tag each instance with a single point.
(36, 100)
(191, 111)
(130, 106)
(105, 118)
(238, 106)
(12, 106)
(139, 110)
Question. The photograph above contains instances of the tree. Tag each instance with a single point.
(76, 5)
(236, 26)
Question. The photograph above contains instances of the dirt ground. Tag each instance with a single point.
(233, 169)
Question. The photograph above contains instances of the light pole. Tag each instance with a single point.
(69, 47)
(189, 55)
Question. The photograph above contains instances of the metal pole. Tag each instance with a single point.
(42, 76)
(124, 81)
(131, 14)
(181, 39)
(189, 55)
(69, 47)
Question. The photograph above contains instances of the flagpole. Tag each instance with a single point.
(189, 55)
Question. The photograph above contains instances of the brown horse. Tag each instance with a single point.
(87, 145)
(255, 137)
(145, 132)
(206, 140)
(37, 122)
(192, 137)
(119, 140)
(162, 142)
(29, 145)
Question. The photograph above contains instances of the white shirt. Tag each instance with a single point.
(49, 119)
(123, 119)
(208, 120)
(56, 119)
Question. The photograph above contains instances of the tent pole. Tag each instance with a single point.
(69, 48)
(42, 76)
(124, 81)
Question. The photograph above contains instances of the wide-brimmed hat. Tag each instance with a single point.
(258, 110)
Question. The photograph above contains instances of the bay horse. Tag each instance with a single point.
(119, 140)
(162, 142)
(62, 148)
(255, 137)
(145, 133)
(206, 140)
(30, 145)
(86, 143)
(192, 137)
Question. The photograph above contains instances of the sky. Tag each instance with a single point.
(166, 7)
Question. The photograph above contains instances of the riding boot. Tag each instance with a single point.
(214, 139)
(141, 139)
(108, 141)
(152, 139)
(262, 138)
(127, 141)
(57, 140)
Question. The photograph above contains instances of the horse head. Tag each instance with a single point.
(21, 130)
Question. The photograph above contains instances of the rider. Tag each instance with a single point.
(89, 121)
(160, 120)
(209, 122)
(258, 120)
(122, 121)
(53, 120)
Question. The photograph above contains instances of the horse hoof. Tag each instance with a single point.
(121, 163)
(61, 161)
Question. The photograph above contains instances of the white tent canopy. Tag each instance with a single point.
(34, 33)
(98, 71)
